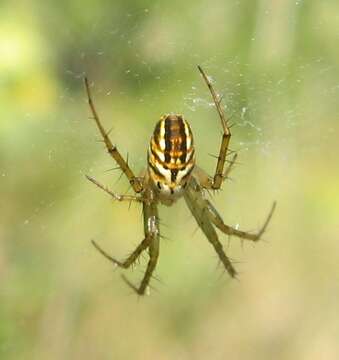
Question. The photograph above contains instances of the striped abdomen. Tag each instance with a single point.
(171, 155)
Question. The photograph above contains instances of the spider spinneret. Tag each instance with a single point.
(171, 174)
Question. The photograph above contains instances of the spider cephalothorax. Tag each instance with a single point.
(170, 157)
(172, 174)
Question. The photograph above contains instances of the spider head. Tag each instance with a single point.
(171, 155)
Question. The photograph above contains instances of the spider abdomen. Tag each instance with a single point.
(171, 155)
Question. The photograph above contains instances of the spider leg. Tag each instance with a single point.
(114, 195)
(218, 177)
(199, 208)
(153, 254)
(130, 259)
(230, 166)
(216, 219)
(112, 149)
(152, 234)
(205, 179)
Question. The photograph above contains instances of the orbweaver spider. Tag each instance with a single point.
(171, 174)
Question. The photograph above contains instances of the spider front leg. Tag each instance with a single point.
(152, 234)
(135, 182)
(215, 182)
(197, 205)
(219, 223)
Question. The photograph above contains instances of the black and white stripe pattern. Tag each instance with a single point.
(171, 153)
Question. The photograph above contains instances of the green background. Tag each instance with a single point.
(277, 65)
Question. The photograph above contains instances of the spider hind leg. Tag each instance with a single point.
(199, 208)
(216, 219)
(130, 259)
(152, 237)
(153, 259)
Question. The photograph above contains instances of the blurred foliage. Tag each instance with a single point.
(277, 64)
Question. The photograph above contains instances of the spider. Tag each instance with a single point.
(172, 174)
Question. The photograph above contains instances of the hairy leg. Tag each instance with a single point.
(130, 259)
(114, 195)
(216, 219)
(152, 233)
(205, 179)
(135, 182)
(153, 258)
(215, 182)
(197, 205)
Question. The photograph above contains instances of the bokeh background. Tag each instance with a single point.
(277, 65)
